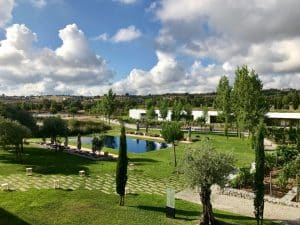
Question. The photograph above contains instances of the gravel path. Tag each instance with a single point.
(288, 215)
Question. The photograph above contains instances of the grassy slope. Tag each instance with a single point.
(49, 207)
(78, 207)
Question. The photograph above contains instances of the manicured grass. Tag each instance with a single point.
(49, 207)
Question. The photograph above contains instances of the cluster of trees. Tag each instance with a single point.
(12, 133)
(244, 102)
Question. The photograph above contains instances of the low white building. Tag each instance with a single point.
(273, 118)
(140, 114)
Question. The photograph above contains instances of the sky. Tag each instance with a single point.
(76, 47)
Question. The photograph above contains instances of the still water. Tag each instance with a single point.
(133, 145)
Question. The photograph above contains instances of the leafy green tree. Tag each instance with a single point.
(259, 174)
(177, 110)
(14, 112)
(163, 109)
(202, 168)
(150, 113)
(121, 171)
(109, 104)
(13, 133)
(149, 103)
(171, 132)
(248, 102)
(295, 100)
(54, 127)
(97, 143)
(223, 101)
(188, 112)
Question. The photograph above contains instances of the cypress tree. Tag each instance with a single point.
(121, 171)
(259, 174)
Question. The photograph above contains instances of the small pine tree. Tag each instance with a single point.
(121, 171)
(259, 174)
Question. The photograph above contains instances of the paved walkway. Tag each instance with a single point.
(104, 183)
(289, 215)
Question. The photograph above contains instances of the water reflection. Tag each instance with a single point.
(133, 145)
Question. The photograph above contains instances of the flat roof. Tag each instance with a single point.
(276, 115)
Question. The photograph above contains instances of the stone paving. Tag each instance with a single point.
(105, 183)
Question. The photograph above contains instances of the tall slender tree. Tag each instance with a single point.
(163, 109)
(248, 101)
(222, 102)
(259, 173)
(108, 104)
(121, 171)
(177, 110)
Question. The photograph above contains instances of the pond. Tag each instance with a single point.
(133, 145)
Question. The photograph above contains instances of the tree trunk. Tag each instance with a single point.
(121, 203)
(207, 216)
(175, 161)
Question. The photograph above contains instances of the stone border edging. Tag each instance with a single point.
(249, 195)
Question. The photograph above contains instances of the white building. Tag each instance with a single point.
(140, 114)
(273, 118)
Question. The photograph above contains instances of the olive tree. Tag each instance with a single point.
(204, 167)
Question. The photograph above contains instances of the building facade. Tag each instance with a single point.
(272, 118)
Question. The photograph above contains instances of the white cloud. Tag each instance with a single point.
(126, 34)
(101, 37)
(127, 1)
(263, 34)
(6, 7)
(24, 67)
(169, 76)
(39, 3)
(122, 35)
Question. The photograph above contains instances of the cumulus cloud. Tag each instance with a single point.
(24, 67)
(168, 76)
(126, 34)
(6, 7)
(263, 34)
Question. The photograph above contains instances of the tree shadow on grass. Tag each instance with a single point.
(141, 160)
(44, 161)
(234, 218)
(179, 214)
(8, 218)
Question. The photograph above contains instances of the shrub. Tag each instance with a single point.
(243, 179)
(286, 153)
(270, 162)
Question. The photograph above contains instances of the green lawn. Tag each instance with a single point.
(94, 207)
(49, 207)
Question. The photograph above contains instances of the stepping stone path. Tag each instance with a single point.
(105, 183)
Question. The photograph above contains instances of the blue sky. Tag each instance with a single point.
(95, 18)
(144, 46)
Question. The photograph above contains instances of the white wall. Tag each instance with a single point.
(136, 114)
